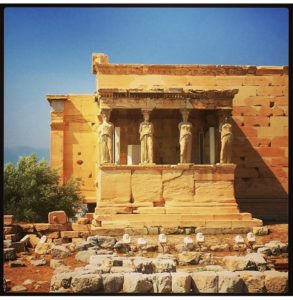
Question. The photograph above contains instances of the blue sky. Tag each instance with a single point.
(48, 51)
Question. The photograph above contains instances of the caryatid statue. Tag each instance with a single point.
(226, 142)
(185, 138)
(146, 131)
(106, 139)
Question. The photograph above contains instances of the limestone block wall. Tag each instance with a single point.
(259, 116)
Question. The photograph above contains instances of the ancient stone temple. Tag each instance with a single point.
(176, 145)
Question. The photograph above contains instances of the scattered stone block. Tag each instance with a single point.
(229, 282)
(53, 235)
(260, 230)
(205, 282)
(223, 247)
(214, 268)
(121, 247)
(84, 256)
(55, 263)
(33, 240)
(153, 230)
(253, 281)
(86, 283)
(143, 265)
(150, 248)
(9, 230)
(181, 282)
(60, 252)
(101, 260)
(12, 237)
(8, 220)
(112, 283)
(43, 248)
(39, 262)
(28, 282)
(276, 282)
(189, 258)
(136, 231)
(61, 280)
(27, 228)
(102, 241)
(264, 250)
(57, 217)
(9, 254)
(18, 246)
(259, 261)
(18, 289)
(122, 270)
(69, 234)
(83, 221)
(138, 283)
(7, 243)
(163, 283)
(164, 265)
(274, 246)
(238, 263)
(17, 264)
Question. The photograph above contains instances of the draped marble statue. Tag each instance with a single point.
(226, 142)
(146, 131)
(185, 138)
(106, 139)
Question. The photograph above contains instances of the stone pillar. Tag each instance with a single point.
(57, 134)
(105, 138)
(185, 138)
(146, 131)
(212, 145)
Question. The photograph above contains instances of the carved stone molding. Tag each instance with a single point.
(57, 102)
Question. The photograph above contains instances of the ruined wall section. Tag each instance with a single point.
(80, 142)
(260, 122)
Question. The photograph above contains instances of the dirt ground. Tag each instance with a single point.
(41, 275)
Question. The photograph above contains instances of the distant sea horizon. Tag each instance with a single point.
(12, 154)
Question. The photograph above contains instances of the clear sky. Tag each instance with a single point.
(48, 51)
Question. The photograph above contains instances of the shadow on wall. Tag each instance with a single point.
(257, 188)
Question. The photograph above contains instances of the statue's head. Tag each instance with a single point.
(146, 115)
(226, 120)
(105, 115)
(185, 114)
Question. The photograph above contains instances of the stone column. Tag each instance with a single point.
(146, 132)
(185, 138)
(57, 134)
(105, 138)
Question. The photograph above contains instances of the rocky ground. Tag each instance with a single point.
(37, 269)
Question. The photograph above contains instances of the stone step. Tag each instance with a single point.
(173, 217)
(182, 223)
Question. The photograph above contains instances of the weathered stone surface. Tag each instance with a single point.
(253, 281)
(106, 242)
(146, 186)
(61, 280)
(115, 186)
(178, 185)
(171, 230)
(122, 269)
(223, 247)
(62, 269)
(260, 230)
(60, 251)
(229, 282)
(214, 268)
(164, 265)
(9, 254)
(276, 282)
(33, 240)
(101, 260)
(163, 283)
(150, 247)
(205, 282)
(264, 251)
(112, 283)
(84, 256)
(238, 263)
(55, 263)
(138, 283)
(143, 265)
(274, 246)
(258, 259)
(43, 248)
(57, 217)
(189, 258)
(181, 282)
(4, 285)
(83, 246)
(9, 230)
(7, 243)
(86, 283)
(121, 247)
(18, 289)
(39, 262)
